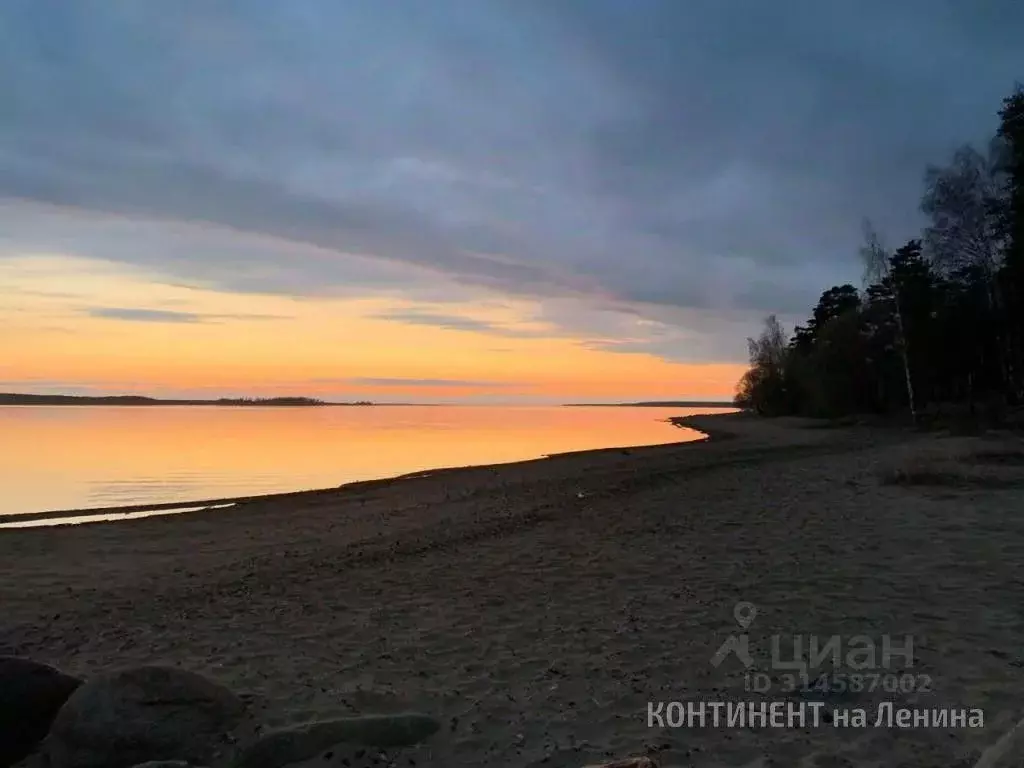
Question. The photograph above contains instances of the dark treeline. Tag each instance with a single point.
(269, 401)
(940, 321)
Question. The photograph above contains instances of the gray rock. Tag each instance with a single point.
(304, 742)
(165, 764)
(144, 714)
(30, 696)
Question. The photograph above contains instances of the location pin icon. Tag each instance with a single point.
(744, 613)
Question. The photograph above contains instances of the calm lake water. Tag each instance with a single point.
(82, 457)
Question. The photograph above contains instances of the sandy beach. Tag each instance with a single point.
(537, 608)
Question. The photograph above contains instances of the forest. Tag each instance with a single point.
(937, 325)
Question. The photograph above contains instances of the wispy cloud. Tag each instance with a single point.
(371, 381)
(144, 315)
(627, 346)
(170, 316)
(458, 323)
(47, 294)
(40, 386)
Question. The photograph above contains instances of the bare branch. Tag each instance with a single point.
(874, 255)
(964, 202)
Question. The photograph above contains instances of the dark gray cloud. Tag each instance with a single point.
(400, 382)
(686, 155)
(170, 316)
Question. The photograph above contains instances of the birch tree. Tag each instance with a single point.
(877, 270)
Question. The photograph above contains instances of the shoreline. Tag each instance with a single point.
(25, 400)
(538, 608)
(199, 506)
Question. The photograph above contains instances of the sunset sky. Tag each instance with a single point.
(457, 200)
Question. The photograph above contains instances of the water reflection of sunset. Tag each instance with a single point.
(84, 457)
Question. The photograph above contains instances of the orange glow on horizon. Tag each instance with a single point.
(70, 324)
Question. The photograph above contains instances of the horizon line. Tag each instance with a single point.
(307, 401)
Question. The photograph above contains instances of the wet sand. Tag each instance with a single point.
(538, 607)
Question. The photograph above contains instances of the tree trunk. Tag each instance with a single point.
(904, 355)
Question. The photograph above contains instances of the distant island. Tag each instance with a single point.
(659, 404)
(10, 398)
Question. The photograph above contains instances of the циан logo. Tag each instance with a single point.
(855, 663)
(744, 613)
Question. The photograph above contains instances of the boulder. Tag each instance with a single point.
(144, 714)
(30, 696)
(629, 762)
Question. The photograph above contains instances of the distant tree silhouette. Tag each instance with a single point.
(939, 321)
(763, 387)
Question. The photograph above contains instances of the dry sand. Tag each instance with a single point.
(538, 607)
